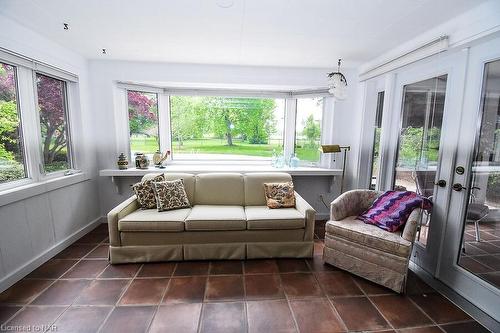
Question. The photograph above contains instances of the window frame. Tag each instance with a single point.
(20, 114)
(264, 160)
(164, 118)
(30, 129)
(322, 157)
(71, 160)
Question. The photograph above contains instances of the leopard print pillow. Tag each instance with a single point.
(171, 195)
(145, 193)
(280, 195)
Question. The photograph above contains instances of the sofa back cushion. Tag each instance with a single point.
(254, 186)
(219, 189)
(187, 178)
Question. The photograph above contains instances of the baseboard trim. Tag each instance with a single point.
(34, 263)
(473, 311)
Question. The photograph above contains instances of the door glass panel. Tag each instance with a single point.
(480, 252)
(376, 140)
(418, 150)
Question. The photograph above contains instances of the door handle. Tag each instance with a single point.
(458, 187)
(441, 183)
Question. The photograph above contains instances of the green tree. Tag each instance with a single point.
(188, 118)
(311, 131)
(9, 123)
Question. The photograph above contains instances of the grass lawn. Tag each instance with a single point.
(218, 146)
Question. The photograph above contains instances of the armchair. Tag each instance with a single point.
(366, 250)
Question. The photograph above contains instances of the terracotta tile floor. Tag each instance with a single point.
(483, 258)
(78, 291)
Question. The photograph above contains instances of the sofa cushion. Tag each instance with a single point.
(369, 235)
(152, 220)
(216, 217)
(262, 217)
(254, 186)
(219, 189)
(187, 178)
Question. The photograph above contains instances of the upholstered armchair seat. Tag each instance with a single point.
(366, 250)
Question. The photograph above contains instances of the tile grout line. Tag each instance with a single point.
(148, 328)
(78, 296)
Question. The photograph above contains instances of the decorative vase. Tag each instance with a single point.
(141, 161)
(294, 161)
(122, 162)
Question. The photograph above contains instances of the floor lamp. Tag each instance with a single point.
(331, 149)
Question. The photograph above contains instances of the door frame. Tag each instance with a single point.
(474, 289)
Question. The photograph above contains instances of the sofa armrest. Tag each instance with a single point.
(410, 229)
(351, 203)
(120, 211)
(310, 214)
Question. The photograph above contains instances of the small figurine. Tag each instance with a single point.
(158, 159)
(122, 162)
(141, 161)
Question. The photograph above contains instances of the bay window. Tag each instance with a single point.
(222, 125)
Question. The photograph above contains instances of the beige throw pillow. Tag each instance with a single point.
(145, 193)
(280, 195)
(171, 195)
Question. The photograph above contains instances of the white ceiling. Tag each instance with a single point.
(295, 33)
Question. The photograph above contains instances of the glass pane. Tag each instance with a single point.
(51, 95)
(480, 253)
(224, 128)
(143, 122)
(308, 129)
(418, 151)
(376, 140)
(12, 165)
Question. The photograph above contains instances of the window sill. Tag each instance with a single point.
(207, 168)
(36, 188)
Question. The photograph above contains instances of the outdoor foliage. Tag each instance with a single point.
(249, 119)
(312, 132)
(415, 150)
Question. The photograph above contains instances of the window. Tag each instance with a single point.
(12, 160)
(143, 122)
(52, 108)
(308, 129)
(376, 141)
(214, 127)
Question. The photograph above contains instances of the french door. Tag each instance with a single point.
(470, 260)
(420, 152)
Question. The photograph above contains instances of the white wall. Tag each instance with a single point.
(34, 228)
(104, 74)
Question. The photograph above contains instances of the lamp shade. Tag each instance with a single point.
(330, 149)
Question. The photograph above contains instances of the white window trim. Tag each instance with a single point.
(164, 122)
(26, 69)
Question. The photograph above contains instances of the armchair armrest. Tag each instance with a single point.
(410, 229)
(351, 203)
(302, 206)
(120, 211)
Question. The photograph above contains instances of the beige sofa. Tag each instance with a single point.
(364, 249)
(228, 219)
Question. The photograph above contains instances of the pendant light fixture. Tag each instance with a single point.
(337, 84)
